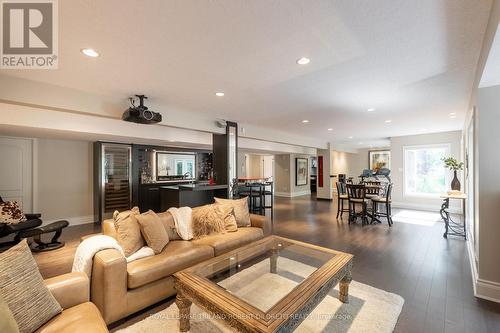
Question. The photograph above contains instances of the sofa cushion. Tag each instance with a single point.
(153, 231)
(82, 318)
(230, 241)
(176, 256)
(11, 213)
(209, 220)
(240, 207)
(128, 231)
(169, 224)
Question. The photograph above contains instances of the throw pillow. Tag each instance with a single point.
(11, 213)
(153, 231)
(241, 211)
(169, 224)
(128, 231)
(22, 288)
(7, 322)
(207, 220)
(229, 218)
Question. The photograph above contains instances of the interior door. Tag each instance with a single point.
(16, 171)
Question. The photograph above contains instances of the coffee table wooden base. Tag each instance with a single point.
(344, 287)
(184, 306)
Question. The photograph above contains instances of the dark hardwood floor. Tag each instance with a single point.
(431, 273)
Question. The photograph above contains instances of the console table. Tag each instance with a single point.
(453, 228)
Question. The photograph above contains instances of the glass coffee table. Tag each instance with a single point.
(270, 285)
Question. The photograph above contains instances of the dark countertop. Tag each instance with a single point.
(193, 187)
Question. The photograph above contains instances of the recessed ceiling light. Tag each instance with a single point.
(305, 121)
(423, 129)
(453, 114)
(371, 109)
(350, 137)
(330, 129)
(303, 61)
(388, 121)
(90, 53)
(219, 94)
(360, 143)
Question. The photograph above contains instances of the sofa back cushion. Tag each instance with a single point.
(23, 289)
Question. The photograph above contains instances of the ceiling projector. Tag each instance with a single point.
(140, 114)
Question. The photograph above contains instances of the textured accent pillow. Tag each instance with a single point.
(128, 231)
(229, 218)
(169, 224)
(207, 220)
(153, 231)
(7, 322)
(22, 288)
(11, 213)
(241, 211)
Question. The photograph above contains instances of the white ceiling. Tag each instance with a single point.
(414, 61)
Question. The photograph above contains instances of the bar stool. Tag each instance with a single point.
(341, 197)
(268, 192)
(256, 190)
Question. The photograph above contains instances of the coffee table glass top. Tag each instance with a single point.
(263, 275)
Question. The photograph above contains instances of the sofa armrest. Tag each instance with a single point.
(108, 289)
(259, 221)
(69, 289)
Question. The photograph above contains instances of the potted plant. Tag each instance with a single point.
(452, 164)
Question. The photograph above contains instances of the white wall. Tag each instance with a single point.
(64, 180)
(282, 174)
(284, 177)
(397, 145)
(488, 190)
(351, 164)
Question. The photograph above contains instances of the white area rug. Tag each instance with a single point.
(369, 309)
(427, 219)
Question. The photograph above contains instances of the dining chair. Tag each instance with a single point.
(376, 201)
(356, 195)
(372, 189)
(341, 197)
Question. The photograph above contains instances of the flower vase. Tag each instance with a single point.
(455, 183)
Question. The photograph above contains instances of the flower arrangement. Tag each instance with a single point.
(452, 164)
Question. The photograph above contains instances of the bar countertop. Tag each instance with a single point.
(194, 187)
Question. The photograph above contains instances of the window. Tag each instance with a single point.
(424, 173)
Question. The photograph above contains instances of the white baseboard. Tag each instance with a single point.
(75, 220)
(485, 289)
(291, 195)
(430, 208)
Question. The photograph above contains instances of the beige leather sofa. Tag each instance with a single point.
(119, 289)
(79, 314)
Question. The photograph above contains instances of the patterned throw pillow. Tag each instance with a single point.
(240, 207)
(23, 289)
(11, 213)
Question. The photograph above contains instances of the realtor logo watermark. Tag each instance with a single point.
(29, 34)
